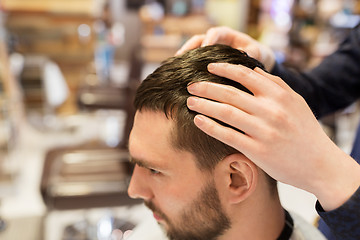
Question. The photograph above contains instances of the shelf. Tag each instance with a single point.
(83, 7)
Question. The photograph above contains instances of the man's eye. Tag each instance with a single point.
(153, 171)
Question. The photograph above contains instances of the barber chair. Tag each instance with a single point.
(86, 177)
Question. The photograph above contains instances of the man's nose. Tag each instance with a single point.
(138, 187)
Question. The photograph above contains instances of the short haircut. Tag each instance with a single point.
(165, 90)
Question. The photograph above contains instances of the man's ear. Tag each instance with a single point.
(238, 177)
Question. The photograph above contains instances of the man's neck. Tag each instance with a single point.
(257, 220)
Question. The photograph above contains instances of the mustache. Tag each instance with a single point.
(155, 209)
(152, 206)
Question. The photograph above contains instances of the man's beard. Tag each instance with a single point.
(203, 219)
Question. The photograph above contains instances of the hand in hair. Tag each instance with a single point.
(282, 136)
(235, 39)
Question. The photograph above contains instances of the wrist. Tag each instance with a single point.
(337, 181)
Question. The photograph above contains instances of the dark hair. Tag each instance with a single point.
(165, 90)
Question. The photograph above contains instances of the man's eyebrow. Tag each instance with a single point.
(142, 163)
(138, 162)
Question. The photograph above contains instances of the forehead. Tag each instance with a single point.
(150, 134)
(150, 141)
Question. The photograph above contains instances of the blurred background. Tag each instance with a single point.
(68, 72)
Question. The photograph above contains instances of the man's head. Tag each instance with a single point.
(180, 170)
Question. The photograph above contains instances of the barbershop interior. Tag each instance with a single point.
(68, 74)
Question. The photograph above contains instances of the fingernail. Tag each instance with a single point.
(204, 44)
(212, 66)
(199, 120)
(191, 102)
(117, 234)
(127, 234)
(192, 88)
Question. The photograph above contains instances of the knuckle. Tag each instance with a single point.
(228, 112)
(240, 73)
(215, 29)
(232, 69)
(230, 94)
(270, 136)
(277, 78)
(298, 97)
(210, 128)
(223, 28)
(242, 70)
(198, 37)
(281, 96)
(278, 116)
(212, 30)
(227, 137)
(205, 89)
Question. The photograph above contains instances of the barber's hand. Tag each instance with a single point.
(235, 39)
(282, 136)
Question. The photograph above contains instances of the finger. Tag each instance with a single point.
(192, 43)
(273, 78)
(220, 35)
(225, 113)
(255, 82)
(127, 234)
(225, 94)
(229, 136)
(116, 234)
(253, 51)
